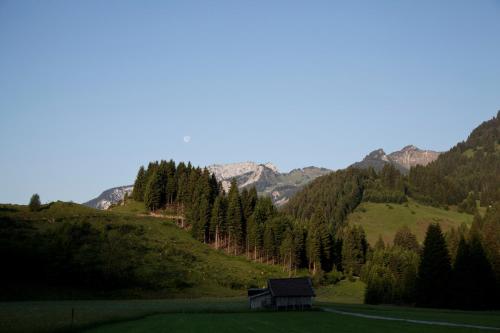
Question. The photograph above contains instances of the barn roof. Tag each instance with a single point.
(291, 287)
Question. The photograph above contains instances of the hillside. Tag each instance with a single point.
(68, 250)
(471, 166)
(385, 219)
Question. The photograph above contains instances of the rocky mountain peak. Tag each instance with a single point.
(402, 159)
(410, 148)
(377, 154)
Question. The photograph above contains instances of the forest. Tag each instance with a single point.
(310, 232)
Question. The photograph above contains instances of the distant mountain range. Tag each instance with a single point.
(402, 159)
(265, 177)
(268, 180)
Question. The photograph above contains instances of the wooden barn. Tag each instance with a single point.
(282, 294)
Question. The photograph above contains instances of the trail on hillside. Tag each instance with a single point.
(413, 321)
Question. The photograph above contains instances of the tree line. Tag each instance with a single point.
(459, 269)
(310, 232)
(241, 222)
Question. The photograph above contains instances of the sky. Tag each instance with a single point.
(91, 90)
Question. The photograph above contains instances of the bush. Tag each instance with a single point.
(333, 277)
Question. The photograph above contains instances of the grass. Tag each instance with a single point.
(50, 316)
(313, 321)
(221, 315)
(385, 219)
(344, 291)
(132, 207)
(210, 272)
(483, 318)
(229, 314)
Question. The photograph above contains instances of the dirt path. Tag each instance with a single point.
(414, 321)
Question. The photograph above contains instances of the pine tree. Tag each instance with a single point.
(269, 242)
(218, 222)
(171, 183)
(483, 289)
(313, 244)
(139, 185)
(462, 275)
(354, 249)
(248, 202)
(262, 212)
(434, 270)
(288, 250)
(35, 203)
(234, 218)
(203, 224)
(153, 191)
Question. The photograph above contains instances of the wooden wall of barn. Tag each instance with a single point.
(298, 302)
(260, 301)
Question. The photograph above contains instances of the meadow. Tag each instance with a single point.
(228, 314)
(386, 218)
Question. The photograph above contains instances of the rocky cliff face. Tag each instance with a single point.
(402, 159)
(411, 156)
(109, 197)
(266, 178)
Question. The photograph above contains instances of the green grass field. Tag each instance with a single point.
(313, 321)
(221, 315)
(385, 219)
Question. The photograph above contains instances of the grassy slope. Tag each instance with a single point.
(385, 219)
(343, 292)
(213, 272)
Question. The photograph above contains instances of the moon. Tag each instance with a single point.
(187, 138)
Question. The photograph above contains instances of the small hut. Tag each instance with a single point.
(282, 294)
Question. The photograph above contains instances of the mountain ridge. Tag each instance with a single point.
(409, 156)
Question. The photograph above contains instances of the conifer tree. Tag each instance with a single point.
(153, 191)
(171, 184)
(288, 250)
(139, 185)
(234, 218)
(35, 203)
(269, 242)
(202, 227)
(354, 249)
(313, 244)
(434, 270)
(262, 212)
(218, 222)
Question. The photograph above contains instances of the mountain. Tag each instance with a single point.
(403, 159)
(109, 197)
(265, 177)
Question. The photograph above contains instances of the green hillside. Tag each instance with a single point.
(68, 250)
(386, 218)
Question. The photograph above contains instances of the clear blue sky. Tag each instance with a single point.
(90, 90)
